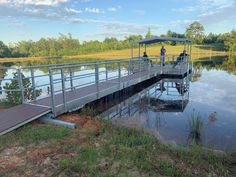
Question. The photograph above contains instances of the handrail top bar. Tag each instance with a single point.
(95, 63)
(59, 64)
(161, 39)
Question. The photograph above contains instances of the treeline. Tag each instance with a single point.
(66, 45)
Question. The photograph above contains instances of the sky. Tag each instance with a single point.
(98, 19)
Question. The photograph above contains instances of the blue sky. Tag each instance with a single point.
(97, 19)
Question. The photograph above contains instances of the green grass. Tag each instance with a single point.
(197, 51)
(117, 151)
(87, 111)
(33, 135)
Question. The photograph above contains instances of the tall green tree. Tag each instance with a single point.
(14, 97)
(230, 41)
(4, 50)
(195, 31)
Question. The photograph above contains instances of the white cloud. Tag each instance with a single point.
(71, 10)
(94, 10)
(34, 2)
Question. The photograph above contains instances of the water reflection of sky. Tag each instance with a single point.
(213, 92)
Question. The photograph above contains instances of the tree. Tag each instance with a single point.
(230, 41)
(149, 34)
(4, 50)
(210, 38)
(195, 31)
(14, 97)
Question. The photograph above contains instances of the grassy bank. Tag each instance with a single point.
(98, 148)
(197, 51)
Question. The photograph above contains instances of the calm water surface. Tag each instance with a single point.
(211, 97)
(209, 93)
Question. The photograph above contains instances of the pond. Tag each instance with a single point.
(202, 112)
(204, 115)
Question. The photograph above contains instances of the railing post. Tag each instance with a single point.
(63, 88)
(149, 68)
(187, 65)
(21, 85)
(139, 68)
(106, 71)
(52, 92)
(129, 69)
(161, 68)
(33, 83)
(97, 77)
(119, 72)
(71, 80)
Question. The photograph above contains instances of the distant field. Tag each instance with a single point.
(198, 51)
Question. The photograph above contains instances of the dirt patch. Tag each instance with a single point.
(86, 125)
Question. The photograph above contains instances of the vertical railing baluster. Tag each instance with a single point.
(52, 92)
(21, 85)
(97, 77)
(139, 68)
(63, 88)
(129, 69)
(106, 71)
(119, 72)
(71, 79)
(33, 83)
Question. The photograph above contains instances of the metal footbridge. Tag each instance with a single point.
(60, 88)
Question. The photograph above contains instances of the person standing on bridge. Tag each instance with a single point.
(163, 53)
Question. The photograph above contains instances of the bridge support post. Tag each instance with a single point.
(71, 80)
(106, 71)
(129, 68)
(119, 72)
(63, 89)
(52, 92)
(139, 69)
(33, 83)
(21, 85)
(97, 78)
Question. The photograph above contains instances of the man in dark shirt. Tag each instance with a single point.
(145, 58)
(180, 58)
(163, 53)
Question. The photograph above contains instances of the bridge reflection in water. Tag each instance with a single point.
(144, 110)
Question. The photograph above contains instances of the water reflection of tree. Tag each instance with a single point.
(218, 62)
(197, 73)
